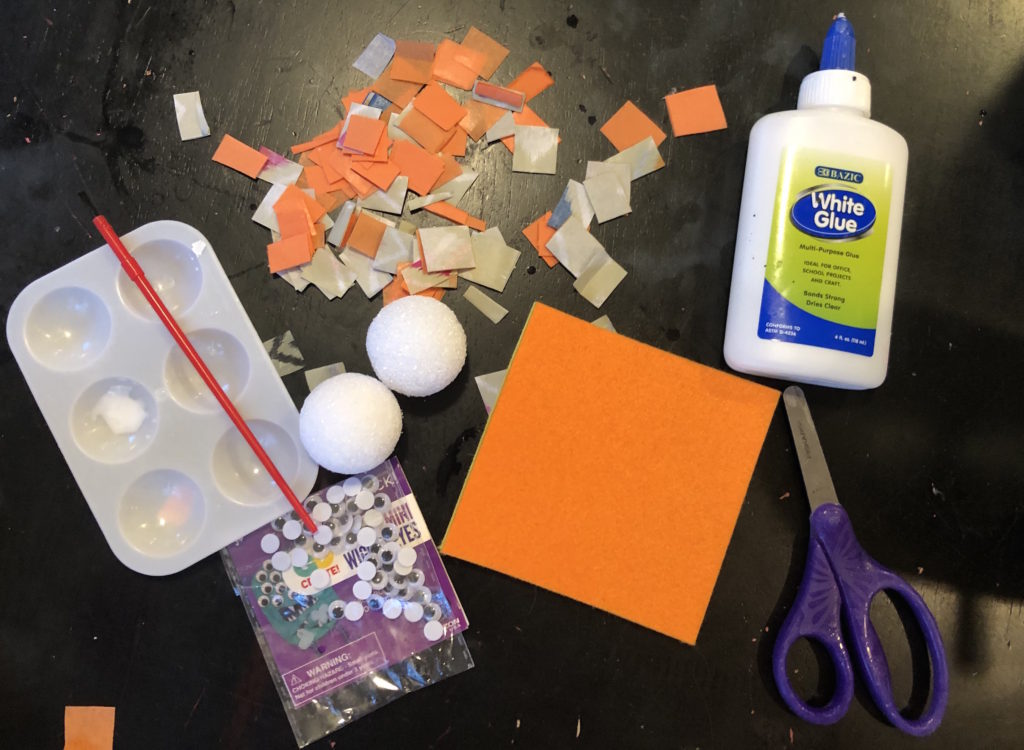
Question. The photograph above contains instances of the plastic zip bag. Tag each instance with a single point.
(355, 616)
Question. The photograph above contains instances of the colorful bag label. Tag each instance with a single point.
(826, 252)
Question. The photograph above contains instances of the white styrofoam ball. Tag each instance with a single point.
(416, 345)
(350, 423)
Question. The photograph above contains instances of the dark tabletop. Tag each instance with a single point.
(928, 465)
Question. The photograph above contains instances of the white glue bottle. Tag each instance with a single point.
(818, 241)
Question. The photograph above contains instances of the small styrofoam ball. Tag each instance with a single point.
(416, 345)
(350, 423)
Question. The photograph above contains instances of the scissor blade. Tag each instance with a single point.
(817, 479)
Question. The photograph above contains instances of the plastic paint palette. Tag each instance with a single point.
(185, 483)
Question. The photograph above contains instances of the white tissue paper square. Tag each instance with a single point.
(489, 386)
(265, 215)
(370, 281)
(574, 246)
(599, 280)
(458, 186)
(608, 195)
(390, 201)
(485, 304)
(503, 128)
(375, 58)
(494, 260)
(446, 248)
(341, 220)
(642, 158)
(395, 247)
(191, 119)
(328, 275)
(318, 375)
(536, 150)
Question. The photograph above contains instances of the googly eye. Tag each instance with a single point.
(317, 547)
(281, 588)
(375, 602)
(431, 612)
(336, 609)
(402, 592)
(379, 581)
(261, 577)
(370, 483)
(388, 532)
(351, 538)
(375, 548)
(266, 588)
(416, 578)
(337, 509)
(421, 596)
(268, 566)
(276, 577)
(387, 557)
(389, 588)
(336, 542)
(278, 523)
(352, 508)
(387, 567)
(310, 503)
(342, 523)
(374, 559)
(381, 502)
(397, 578)
(331, 524)
(263, 601)
(277, 600)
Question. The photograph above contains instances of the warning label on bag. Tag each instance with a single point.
(330, 671)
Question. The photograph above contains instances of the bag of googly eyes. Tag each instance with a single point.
(355, 615)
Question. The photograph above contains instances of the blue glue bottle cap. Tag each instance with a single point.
(837, 83)
(840, 48)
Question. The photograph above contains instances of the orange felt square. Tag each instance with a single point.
(422, 168)
(381, 174)
(355, 96)
(381, 154)
(233, 153)
(538, 234)
(290, 252)
(362, 186)
(493, 52)
(617, 414)
(328, 136)
(456, 65)
(479, 118)
(532, 81)
(88, 727)
(394, 290)
(412, 61)
(399, 92)
(363, 134)
(366, 234)
(629, 126)
(439, 106)
(452, 169)
(698, 110)
(456, 145)
(425, 131)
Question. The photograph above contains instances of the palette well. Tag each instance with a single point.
(166, 474)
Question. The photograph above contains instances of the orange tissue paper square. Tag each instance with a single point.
(649, 457)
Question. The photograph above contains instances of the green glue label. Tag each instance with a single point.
(826, 251)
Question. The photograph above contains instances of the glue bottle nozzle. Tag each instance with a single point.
(840, 47)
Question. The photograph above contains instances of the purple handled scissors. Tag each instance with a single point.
(840, 577)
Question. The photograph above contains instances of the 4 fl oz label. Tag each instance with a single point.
(823, 275)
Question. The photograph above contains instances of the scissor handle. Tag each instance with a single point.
(860, 578)
(815, 616)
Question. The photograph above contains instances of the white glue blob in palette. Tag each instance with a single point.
(168, 477)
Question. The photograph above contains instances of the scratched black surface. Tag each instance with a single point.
(928, 465)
